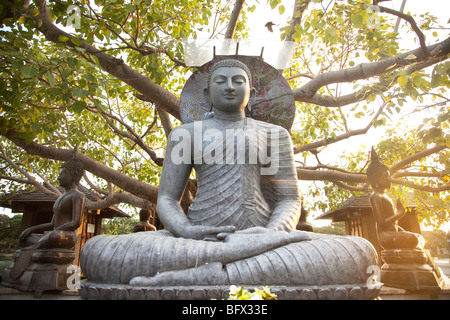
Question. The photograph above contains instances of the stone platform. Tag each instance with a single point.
(97, 291)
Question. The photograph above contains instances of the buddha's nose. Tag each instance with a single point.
(229, 87)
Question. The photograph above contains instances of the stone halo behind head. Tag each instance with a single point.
(274, 101)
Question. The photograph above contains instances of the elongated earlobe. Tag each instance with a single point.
(250, 100)
(206, 95)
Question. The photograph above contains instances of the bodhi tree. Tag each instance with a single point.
(107, 75)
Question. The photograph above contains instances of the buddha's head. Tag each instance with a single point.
(378, 173)
(71, 172)
(229, 86)
(145, 214)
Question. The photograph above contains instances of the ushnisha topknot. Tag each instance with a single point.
(375, 167)
(74, 166)
(230, 63)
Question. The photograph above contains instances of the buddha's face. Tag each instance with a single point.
(65, 178)
(384, 180)
(229, 89)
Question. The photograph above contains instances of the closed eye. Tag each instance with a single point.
(219, 79)
(239, 79)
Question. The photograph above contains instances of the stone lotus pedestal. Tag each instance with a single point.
(98, 291)
(47, 271)
(410, 269)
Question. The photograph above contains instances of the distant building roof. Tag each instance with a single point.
(16, 201)
(357, 204)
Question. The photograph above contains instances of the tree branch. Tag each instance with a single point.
(132, 136)
(132, 185)
(30, 178)
(402, 164)
(110, 64)
(344, 136)
(307, 92)
(412, 185)
(349, 187)
(341, 178)
(93, 186)
(15, 179)
(413, 24)
(306, 174)
(299, 9)
(163, 116)
(229, 33)
(116, 198)
(419, 174)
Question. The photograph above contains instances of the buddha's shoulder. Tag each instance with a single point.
(77, 194)
(190, 126)
(183, 128)
(270, 127)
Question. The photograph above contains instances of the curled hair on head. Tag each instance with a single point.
(74, 166)
(230, 63)
(375, 168)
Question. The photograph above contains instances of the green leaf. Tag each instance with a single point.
(89, 77)
(281, 9)
(80, 93)
(29, 71)
(357, 20)
(62, 38)
(402, 81)
(76, 41)
(72, 62)
(411, 57)
(435, 132)
(51, 79)
(274, 3)
(99, 105)
(129, 8)
(78, 106)
(27, 136)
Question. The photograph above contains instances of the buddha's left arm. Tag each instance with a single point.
(283, 184)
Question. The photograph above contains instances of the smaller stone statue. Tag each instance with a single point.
(390, 234)
(145, 225)
(407, 264)
(48, 249)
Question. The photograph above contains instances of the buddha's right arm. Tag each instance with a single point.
(174, 178)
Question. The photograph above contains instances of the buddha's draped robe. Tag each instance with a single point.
(255, 171)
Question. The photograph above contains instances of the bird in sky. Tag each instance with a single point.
(269, 25)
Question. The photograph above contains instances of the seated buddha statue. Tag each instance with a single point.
(68, 211)
(390, 234)
(407, 265)
(241, 225)
(52, 243)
